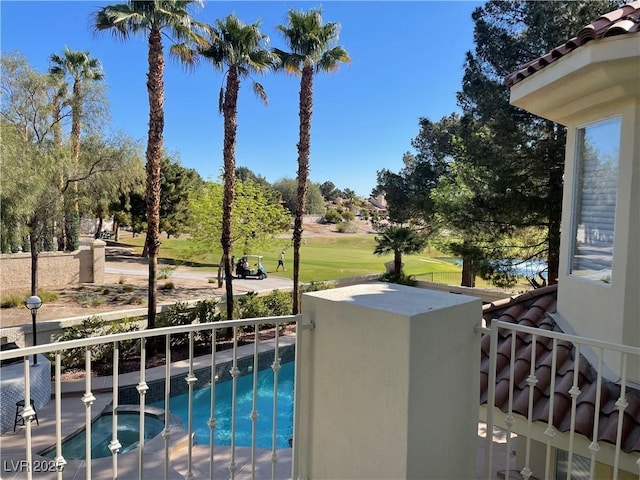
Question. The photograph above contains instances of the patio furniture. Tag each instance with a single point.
(19, 409)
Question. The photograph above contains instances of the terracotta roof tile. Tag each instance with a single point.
(533, 309)
(619, 22)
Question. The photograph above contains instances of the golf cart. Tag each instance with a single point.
(250, 266)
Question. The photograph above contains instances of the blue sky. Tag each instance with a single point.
(407, 63)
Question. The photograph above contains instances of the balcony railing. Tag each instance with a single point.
(586, 358)
(55, 350)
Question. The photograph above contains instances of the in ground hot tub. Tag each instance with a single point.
(73, 447)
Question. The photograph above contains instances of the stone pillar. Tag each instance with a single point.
(98, 261)
(389, 383)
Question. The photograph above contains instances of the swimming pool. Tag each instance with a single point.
(73, 447)
(244, 398)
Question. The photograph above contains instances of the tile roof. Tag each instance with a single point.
(619, 22)
(533, 309)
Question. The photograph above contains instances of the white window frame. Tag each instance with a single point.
(599, 277)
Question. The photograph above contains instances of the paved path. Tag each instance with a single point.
(250, 284)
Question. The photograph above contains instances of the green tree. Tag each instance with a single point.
(312, 50)
(258, 217)
(245, 173)
(152, 20)
(101, 192)
(408, 192)
(177, 182)
(517, 159)
(399, 240)
(329, 191)
(239, 50)
(288, 189)
(81, 69)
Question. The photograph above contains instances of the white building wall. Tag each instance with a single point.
(407, 361)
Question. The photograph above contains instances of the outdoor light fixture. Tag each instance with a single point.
(33, 303)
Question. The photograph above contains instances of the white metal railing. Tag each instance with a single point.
(114, 446)
(579, 344)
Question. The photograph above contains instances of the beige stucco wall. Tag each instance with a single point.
(407, 361)
(597, 81)
(55, 269)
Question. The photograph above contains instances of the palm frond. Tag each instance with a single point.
(260, 92)
(221, 99)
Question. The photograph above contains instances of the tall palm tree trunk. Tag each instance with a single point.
(155, 89)
(230, 111)
(304, 150)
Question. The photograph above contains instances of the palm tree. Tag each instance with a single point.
(312, 50)
(81, 69)
(239, 50)
(153, 19)
(399, 240)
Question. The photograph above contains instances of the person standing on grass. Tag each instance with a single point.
(281, 262)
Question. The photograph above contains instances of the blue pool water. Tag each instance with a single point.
(73, 448)
(244, 398)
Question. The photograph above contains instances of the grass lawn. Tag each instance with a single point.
(322, 258)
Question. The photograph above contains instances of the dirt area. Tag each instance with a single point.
(130, 291)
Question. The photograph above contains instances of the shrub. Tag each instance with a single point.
(74, 358)
(128, 288)
(11, 300)
(403, 279)
(347, 227)
(165, 272)
(122, 280)
(48, 296)
(167, 286)
(348, 216)
(315, 287)
(135, 300)
(91, 300)
(332, 216)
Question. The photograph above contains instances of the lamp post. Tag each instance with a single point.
(34, 303)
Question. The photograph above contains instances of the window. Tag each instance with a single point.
(597, 152)
(580, 466)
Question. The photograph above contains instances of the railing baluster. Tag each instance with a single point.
(191, 380)
(550, 432)
(254, 407)
(27, 415)
(531, 381)
(509, 420)
(234, 380)
(276, 368)
(166, 433)
(88, 400)
(296, 408)
(593, 446)
(491, 401)
(212, 417)
(574, 391)
(60, 461)
(114, 445)
(621, 404)
(142, 391)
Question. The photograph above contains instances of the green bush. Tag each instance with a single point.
(315, 287)
(332, 216)
(167, 286)
(74, 358)
(347, 227)
(165, 272)
(348, 216)
(91, 300)
(403, 279)
(11, 300)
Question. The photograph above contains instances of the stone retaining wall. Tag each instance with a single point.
(55, 269)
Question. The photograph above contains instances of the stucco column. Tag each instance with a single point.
(98, 261)
(389, 383)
